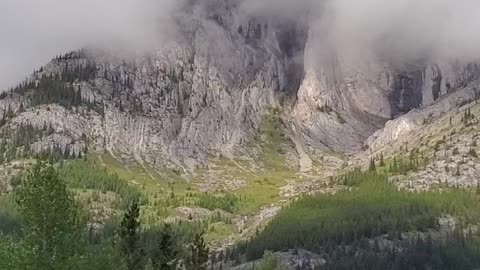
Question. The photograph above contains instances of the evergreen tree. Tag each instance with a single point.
(51, 130)
(382, 162)
(394, 168)
(21, 109)
(372, 166)
(9, 113)
(164, 255)
(66, 152)
(3, 121)
(198, 254)
(130, 246)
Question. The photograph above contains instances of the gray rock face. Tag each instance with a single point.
(350, 93)
(413, 121)
(291, 260)
(205, 90)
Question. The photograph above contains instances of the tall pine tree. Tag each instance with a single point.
(164, 254)
(372, 166)
(130, 246)
(198, 256)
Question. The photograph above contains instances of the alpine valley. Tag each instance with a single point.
(256, 133)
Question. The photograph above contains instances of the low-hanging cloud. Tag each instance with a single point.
(34, 31)
(409, 28)
(403, 30)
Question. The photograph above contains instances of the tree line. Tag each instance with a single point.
(340, 226)
(55, 234)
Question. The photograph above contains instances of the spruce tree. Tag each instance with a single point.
(198, 254)
(21, 109)
(130, 247)
(3, 121)
(164, 255)
(10, 113)
(382, 162)
(372, 166)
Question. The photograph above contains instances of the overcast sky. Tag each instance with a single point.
(401, 28)
(34, 31)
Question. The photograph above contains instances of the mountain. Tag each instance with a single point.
(206, 91)
(265, 106)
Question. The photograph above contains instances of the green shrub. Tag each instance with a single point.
(85, 174)
(226, 202)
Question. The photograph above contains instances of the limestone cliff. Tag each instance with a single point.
(205, 90)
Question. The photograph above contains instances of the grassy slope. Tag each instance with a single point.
(262, 185)
(261, 188)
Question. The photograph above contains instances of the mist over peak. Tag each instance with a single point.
(404, 30)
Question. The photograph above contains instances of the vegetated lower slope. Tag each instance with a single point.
(373, 225)
(55, 230)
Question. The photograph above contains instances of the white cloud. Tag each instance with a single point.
(34, 31)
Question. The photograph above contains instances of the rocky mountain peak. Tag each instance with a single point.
(207, 90)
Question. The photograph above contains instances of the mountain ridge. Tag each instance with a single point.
(206, 92)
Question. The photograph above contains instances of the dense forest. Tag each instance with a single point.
(363, 227)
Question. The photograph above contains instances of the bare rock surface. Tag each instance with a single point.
(292, 259)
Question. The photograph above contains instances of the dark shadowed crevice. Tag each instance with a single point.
(436, 86)
(292, 40)
(407, 92)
